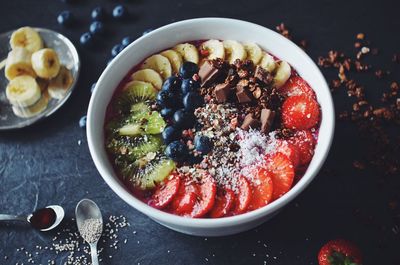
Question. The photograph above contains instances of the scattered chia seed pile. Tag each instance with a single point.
(69, 245)
(91, 230)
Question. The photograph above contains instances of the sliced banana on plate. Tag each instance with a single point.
(23, 91)
(215, 49)
(282, 74)
(174, 58)
(33, 110)
(158, 63)
(46, 63)
(59, 85)
(234, 50)
(149, 76)
(254, 52)
(268, 62)
(19, 63)
(26, 37)
(188, 52)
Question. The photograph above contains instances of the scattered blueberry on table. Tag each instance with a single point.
(65, 18)
(119, 12)
(98, 14)
(116, 49)
(82, 121)
(126, 41)
(147, 31)
(96, 28)
(86, 39)
(92, 87)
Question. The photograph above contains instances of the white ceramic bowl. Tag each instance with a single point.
(197, 29)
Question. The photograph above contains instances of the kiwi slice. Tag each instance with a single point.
(143, 123)
(133, 148)
(134, 92)
(147, 171)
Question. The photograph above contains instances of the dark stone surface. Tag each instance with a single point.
(44, 164)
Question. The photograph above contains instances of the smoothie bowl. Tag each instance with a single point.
(210, 126)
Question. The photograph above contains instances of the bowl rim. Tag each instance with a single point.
(169, 218)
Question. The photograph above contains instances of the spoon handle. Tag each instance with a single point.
(9, 217)
(93, 253)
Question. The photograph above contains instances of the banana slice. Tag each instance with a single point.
(19, 63)
(188, 52)
(23, 91)
(27, 38)
(234, 50)
(268, 62)
(59, 85)
(159, 64)
(33, 110)
(282, 74)
(149, 76)
(254, 52)
(174, 58)
(215, 49)
(46, 63)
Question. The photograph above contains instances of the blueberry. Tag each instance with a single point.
(203, 144)
(188, 69)
(92, 87)
(117, 49)
(189, 85)
(177, 151)
(98, 13)
(167, 113)
(183, 119)
(166, 99)
(86, 39)
(82, 122)
(96, 28)
(126, 41)
(170, 134)
(119, 12)
(65, 18)
(147, 31)
(172, 83)
(192, 100)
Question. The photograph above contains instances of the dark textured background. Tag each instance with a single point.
(44, 164)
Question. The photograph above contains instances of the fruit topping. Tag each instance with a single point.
(188, 52)
(189, 85)
(172, 84)
(296, 86)
(185, 199)
(183, 119)
(165, 192)
(205, 197)
(203, 144)
(188, 69)
(177, 151)
(243, 196)
(282, 173)
(262, 188)
(305, 143)
(192, 100)
(290, 151)
(171, 134)
(224, 201)
(134, 92)
(300, 113)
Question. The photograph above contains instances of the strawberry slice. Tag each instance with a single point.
(290, 150)
(223, 203)
(282, 173)
(305, 143)
(205, 197)
(164, 193)
(262, 188)
(243, 196)
(297, 86)
(185, 199)
(300, 112)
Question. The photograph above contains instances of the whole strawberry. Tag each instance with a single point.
(339, 252)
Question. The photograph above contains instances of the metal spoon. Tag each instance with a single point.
(87, 211)
(58, 210)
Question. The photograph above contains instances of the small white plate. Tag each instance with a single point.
(68, 57)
